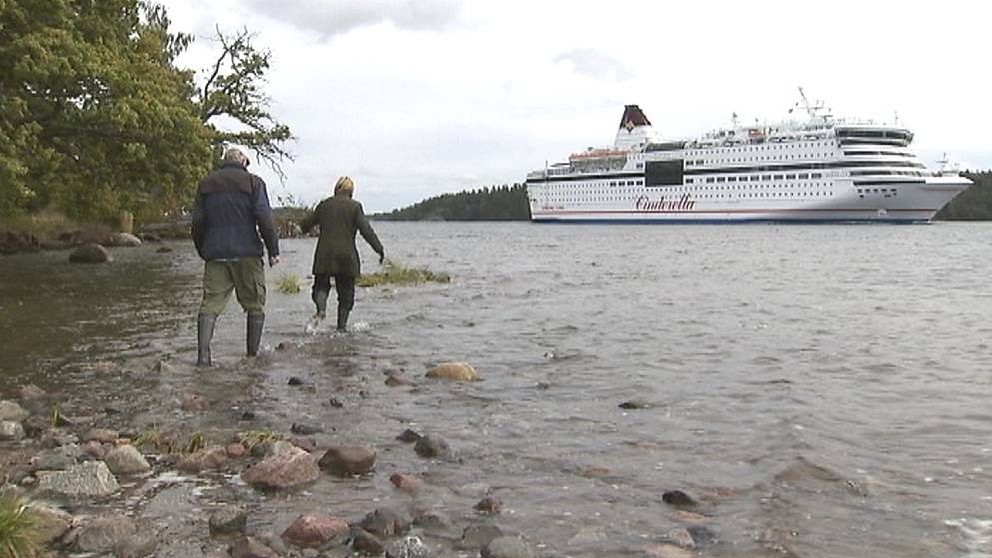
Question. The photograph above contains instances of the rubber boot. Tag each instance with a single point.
(320, 300)
(343, 312)
(255, 323)
(204, 333)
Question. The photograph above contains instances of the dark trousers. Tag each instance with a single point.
(345, 287)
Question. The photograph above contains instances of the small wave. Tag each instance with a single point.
(977, 536)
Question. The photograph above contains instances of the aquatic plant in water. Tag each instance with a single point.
(289, 283)
(19, 537)
(397, 274)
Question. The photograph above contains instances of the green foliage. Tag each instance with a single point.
(289, 283)
(498, 203)
(397, 274)
(19, 537)
(974, 204)
(234, 91)
(252, 438)
(94, 116)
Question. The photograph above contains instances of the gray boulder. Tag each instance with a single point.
(90, 253)
(408, 547)
(89, 479)
(126, 460)
(12, 411)
(103, 534)
(10, 430)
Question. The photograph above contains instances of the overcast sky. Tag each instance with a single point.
(417, 98)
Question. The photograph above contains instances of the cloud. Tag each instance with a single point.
(329, 18)
(595, 64)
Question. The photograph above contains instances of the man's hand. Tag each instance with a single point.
(382, 257)
(273, 260)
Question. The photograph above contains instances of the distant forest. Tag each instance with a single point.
(496, 203)
(509, 203)
(974, 204)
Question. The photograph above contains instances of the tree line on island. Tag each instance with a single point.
(509, 203)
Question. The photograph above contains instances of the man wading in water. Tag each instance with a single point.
(339, 218)
(232, 207)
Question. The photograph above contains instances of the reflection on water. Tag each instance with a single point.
(821, 391)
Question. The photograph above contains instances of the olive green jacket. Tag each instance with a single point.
(340, 217)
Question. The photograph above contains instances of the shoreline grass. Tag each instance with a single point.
(394, 273)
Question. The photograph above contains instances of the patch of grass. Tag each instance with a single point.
(169, 443)
(252, 438)
(398, 274)
(19, 537)
(289, 283)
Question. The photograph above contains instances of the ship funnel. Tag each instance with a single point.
(635, 129)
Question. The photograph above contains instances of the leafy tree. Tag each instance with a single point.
(93, 113)
(233, 91)
(974, 204)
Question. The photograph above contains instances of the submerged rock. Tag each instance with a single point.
(92, 478)
(348, 460)
(408, 436)
(490, 505)
(432, 446)
(458, 371)
(507, 547)
(478, 536)
(678, 499)
(314, 531)
(365, 542)
(681, 538)
(406, 483)
(228, 520)
(668, 551)
(90, 253)
(250, 547)
(386, 522)
(213, 457)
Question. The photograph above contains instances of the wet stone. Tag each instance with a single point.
(10, 430)
(103, 534)
(314, 531)
(102, 435)
(363, 541)
(348, 460)
(681, 537)
(126, 460)
(295, 381)
(489, 505)
(432, 446)
(386, 522)
(456, 371)
(194, 403)
(30, 392)
(58, 459)
(11, 411)
(90, 253)
(507, 547)
(250, 547)
(304, 429)
(668, 551)
(229, 520)
(635, 404)
(408, 436)
(478, 536)
(36, 425)
(92, 478)
(51, 523)
(406, 483)
(408, 547)
(678, 499)
(286, 469)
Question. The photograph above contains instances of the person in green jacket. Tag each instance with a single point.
(339, 218)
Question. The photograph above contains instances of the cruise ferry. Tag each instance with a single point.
(820, 169)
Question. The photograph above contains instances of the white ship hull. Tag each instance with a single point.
(819, 172)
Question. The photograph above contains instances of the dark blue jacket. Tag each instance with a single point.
(232, 208)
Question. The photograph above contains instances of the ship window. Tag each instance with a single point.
(731, 179)
(709, 180)
(663, 173)
(778, 177)
(721, 179)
